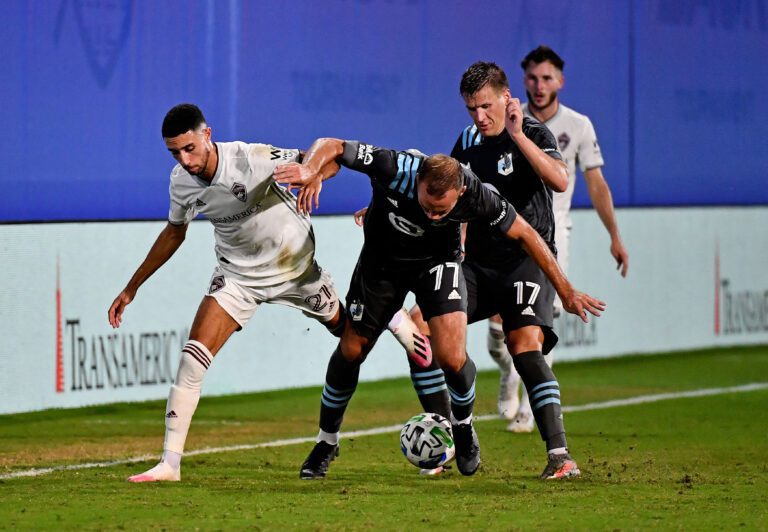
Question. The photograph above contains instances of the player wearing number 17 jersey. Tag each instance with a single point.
(412, 244)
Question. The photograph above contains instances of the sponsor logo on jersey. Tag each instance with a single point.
(217, 283)
(404, 226)
(454, 294)
(528, 311)
(200, 203)
(392, 201)
(238, 189)
(356, 310)
(505, 164)
(285, 155)
(365, 153)
(502, 214)
(563, 140)
(236, 217)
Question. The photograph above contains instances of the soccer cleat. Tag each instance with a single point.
(316, 464)
(560, 466)
(467, 448)
(162, 472)
(509, 401)
(523, 422)
(408, 335)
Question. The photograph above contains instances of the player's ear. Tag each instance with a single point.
(463, 190)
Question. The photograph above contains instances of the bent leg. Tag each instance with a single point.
(211, 328)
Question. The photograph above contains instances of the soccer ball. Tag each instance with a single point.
(427, 441)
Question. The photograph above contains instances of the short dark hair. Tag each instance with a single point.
(441, 173)
(480, 74)
(541, 54)
(182, 118)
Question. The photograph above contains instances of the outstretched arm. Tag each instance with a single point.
(318, 164)
(574, 301)
(166, 244)
(600, 194)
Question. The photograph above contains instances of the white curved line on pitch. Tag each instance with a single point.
(641, 399)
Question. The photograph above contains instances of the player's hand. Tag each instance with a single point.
(619, 253)
(307, 196)
(295, 175)
(514, 117)
(115, 312)
(579, 303)
(360, 216)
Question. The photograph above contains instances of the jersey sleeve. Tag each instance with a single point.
(543, 138)
(378, 163)
(588, 151)
(179, 212)
(489, 207)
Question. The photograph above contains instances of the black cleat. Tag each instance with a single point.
(316, 464)
(467, 448)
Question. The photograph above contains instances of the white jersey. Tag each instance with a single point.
(261, 239)
(578, 143)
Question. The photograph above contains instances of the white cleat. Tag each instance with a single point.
(509, 402)
(162, 472)
(523, 422)
(431, 472)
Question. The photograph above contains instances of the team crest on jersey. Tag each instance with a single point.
(238, 189)
(405, 226)
(356, 310)
(365, 153)
(217, 283)
(505, 164)
(563, 140)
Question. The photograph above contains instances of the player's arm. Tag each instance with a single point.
(318, 164)
(552, 171)
(166, 244)
(602, 200)
(574, 301)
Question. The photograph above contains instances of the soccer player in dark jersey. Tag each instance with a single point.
(518, 157)
(412, 243)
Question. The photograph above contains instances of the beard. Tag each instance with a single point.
(550, 101)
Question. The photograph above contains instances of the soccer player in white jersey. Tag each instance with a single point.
(577, 141)
(264, 247)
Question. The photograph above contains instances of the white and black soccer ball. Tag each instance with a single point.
(427, 441)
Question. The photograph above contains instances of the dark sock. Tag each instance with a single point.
(430, 387)
(544, 394)
(340, 383)
(461, 386)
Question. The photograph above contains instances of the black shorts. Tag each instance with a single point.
(522, 296)
(377, 292)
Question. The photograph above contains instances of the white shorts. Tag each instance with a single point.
(313, 292)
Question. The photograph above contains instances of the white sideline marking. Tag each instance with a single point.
(391, 428)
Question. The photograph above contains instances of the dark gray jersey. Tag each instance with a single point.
(500, 164)
(397, 232)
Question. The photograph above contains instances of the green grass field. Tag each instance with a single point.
(696, 463)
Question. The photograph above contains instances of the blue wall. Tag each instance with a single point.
(674, 88)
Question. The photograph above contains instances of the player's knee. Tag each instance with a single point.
(355, 348)
(524, 339)
(452, 361)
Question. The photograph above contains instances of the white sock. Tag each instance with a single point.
(172, 459)
(184, 395)
(331, 438)
(558, 450)
(498, 349)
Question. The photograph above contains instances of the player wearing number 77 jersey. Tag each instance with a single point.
(412, 244)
